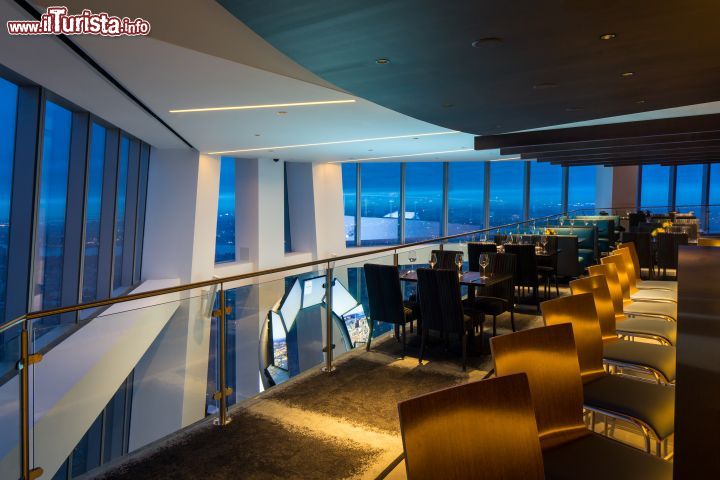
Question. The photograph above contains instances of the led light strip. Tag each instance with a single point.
(255, 107)
(339, 142)
(422, 154)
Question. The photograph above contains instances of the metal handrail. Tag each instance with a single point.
(260, 273)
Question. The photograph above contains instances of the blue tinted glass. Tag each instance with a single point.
(581, 187)
(120, 212)
(545, 189)
(423, 201)
(688, 193)
(225, 234)
(92, 213)
(8, 112)
(50, 233)
(380, 203)
(715, 198)
(655, 187)
(466, 186)
(349, 183)
(506, 192)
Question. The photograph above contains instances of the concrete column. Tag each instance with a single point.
(616, 187)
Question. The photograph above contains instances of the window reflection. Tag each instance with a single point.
(545, 189)
(96, 166)
(123, 161)
(466, 186)
(225, 233)
(714, 212)
(506, 192)
(349, 183)
(380, 203)
(581, 187)
(423, 201)
(655, 186)
(8, 112)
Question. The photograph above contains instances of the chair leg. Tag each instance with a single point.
(367, 347)
(536, 298)
(464, 348)
(494, 325)
(423, 336)
(512, 319)
(411, 325)
(557, 287)
(482, 333)
(397, 332)
(404, 340)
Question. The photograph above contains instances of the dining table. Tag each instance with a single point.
(468, 279)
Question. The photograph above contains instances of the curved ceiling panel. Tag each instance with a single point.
(540, 64)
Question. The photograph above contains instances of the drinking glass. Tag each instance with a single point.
(412, 256)
(459, 262)
(433, 260)
(562, 221)
(484, 262)
(543, 242)
(483, 237)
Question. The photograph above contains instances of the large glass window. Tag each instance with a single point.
(423, 201)
(506, 192)
(349, 183)
(8, 112)
(225, 234)
(380, 203)
(655, 187)
(688, 188)
(466, 187)
(50, 233)
(122, 175)
(581, 187)
(545, 189)
(95, 172)
(714, 220)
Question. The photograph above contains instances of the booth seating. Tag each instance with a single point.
(606, 225)
(587, 243)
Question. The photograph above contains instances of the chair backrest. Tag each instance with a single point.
(609, 271)
(446, 259)
(568, 262)
(502, 263)
(624, 254)
(549, 358)
(597, 285)
(474, 251)
(462, 432)
(580, 311)
(526, 264)
(621, 272)
(642, 248)
(384, 293)
(635, 219)
(667, 248)
(440, 301)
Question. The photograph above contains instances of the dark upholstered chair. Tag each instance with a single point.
(667, 250)
(446, 433)
(474, 251)
(499, 298)
(526, 271)
(441, 307)
(635, 219)
(385, 299)
(548, 266)
(570, 451)
(446, 259)
(568, 257)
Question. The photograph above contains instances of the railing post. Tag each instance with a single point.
(223, 390)
(23, 365)
(329, 346)
(396, 258)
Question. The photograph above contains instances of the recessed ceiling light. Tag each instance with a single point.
(421, 155)
(544, 86)
(573, 109)
(257, 107)
(448, 105)
(339, 142)
(607, 36)
(627, 74)
(370, 149)
(416, 138)
(640, 102)
(382, 61)
(257, 134)
(281, 112)
(486, 41)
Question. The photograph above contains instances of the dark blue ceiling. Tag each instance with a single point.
(550, 66)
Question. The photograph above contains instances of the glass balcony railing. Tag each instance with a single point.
(147, 365)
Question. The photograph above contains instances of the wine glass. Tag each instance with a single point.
(562, 221)
(543, 242)
(483, 237)
(459, 262)
(412, 256)
(572, 224)
(484, 262)
(433, 260)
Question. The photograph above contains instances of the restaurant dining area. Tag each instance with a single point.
(359, 240)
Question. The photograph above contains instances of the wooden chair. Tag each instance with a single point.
(446, 259)
(656, 360)
(644, 255)
(626, 307)
(667, 250)
(483, 429)
(499, 298)
(570, 451)
(637, 264)
(630, 295)
(475, 249)
(385, 299)
(651, 407)
(441, 307)
(644, 295)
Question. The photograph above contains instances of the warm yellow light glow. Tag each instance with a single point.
(339, 142)
(256, 107)
(420, 155)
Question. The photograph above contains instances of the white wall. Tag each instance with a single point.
(616, 187)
